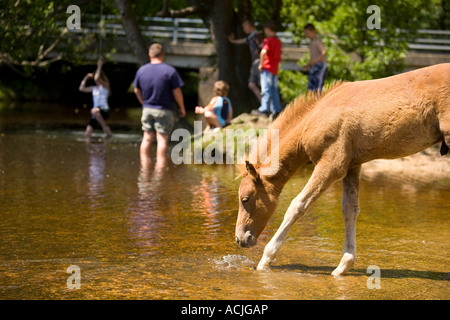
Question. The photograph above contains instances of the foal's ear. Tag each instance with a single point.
(251, 170)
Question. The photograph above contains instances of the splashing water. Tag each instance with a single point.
(234, 261)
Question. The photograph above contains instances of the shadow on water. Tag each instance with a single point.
(385, 273)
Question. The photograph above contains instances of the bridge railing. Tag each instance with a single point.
(167, 29)
(193, 30)
(431, 40)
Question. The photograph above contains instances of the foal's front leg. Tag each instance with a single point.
(295, 210)
(350, 211)
(320, 180)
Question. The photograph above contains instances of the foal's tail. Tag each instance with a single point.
(444, 115)
(444, 124)
(444, 148)
(444, 127)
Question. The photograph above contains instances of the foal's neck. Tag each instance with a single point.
(291, 157)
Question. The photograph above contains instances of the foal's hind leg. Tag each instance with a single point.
(350, 211)
(323, 176)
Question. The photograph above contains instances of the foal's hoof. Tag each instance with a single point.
(263, 266)
(263, 269)
(337, 273)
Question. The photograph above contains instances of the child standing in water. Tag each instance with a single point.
(219, 112)
(100, 92)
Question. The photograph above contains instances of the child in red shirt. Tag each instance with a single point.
(268, 66)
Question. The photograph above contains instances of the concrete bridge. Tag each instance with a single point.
(187, 43)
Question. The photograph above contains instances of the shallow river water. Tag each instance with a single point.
(167, 231)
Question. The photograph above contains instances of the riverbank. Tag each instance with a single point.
(426, 168)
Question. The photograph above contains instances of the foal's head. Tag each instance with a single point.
(257, 202)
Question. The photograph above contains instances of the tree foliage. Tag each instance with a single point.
(33, 35)
(354, 52)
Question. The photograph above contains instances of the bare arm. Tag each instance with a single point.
(199, 110)
(236, 41)
(138, 94)
(83, 87)
(178, 96)
(261, 59)
(97, 76)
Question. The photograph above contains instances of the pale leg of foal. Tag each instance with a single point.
(320, 180)
(350, 211)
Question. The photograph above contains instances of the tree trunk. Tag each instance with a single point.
(133, 32)
(245, 10)
(277, 11)
(233, 61)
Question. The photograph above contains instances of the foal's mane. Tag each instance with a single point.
(293, 113)
(298, 108)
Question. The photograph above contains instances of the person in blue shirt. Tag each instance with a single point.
(157, 85)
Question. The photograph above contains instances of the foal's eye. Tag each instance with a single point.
(244, 199)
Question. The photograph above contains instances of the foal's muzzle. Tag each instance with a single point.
(247, 240)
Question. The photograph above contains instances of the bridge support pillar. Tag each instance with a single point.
(207, 77)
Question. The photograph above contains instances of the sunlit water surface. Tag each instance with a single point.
(167, 232)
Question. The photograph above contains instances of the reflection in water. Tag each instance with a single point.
(206, 194)
(148, 218)
(97, 165)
